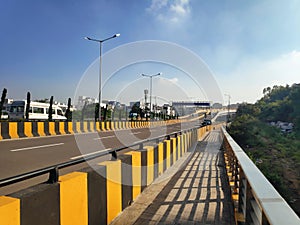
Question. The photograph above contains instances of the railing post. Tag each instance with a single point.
(53, 176)
(114, 155)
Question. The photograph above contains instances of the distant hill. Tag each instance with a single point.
(275, 152)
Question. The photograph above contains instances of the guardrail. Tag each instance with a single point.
(53, 171)
(255, 199)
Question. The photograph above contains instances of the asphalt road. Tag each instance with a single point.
(24, 155)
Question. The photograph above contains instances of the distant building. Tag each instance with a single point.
(82, 100)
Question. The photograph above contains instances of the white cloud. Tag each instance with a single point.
(170, 11)
(247, 81)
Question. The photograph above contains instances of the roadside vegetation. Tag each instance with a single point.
(274, 151)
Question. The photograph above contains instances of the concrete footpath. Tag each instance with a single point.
(193, 191)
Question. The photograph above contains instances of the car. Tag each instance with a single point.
(206, 122)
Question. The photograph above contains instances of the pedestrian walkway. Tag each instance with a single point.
(193, 192)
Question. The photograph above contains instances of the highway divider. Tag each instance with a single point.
(22, 129)
(97, 195)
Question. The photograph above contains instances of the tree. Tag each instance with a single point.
(27, 106)
(4, 92)
(50, 109)
(68, 113)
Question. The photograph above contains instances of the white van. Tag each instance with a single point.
(37, 111)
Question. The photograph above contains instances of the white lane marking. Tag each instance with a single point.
(114, 136)
(35, 147)
(104, 137)
(88, 154)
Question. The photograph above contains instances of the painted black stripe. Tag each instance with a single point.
(97, 195)
(5, 130)
(42, 201)
(34, 129)
(56, 125)
(126, 174)
(46, 128)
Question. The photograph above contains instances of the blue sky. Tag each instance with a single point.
(248, 45)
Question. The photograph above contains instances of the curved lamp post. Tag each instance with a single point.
(150, 76)
(100, 66)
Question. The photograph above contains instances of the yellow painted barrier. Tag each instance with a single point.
(112, 125)
(28, 129)
(52, 128)
(62, 128)
(168, 152)
(0, 133)
(13, 130)
(136, 173)
(92, 129)
(174, 149)
(160, 148)
(85, 127)
(10, 211)
(98, 126)
(70, 128)
(114, 188)
(78, 130)
(73, 199)
(41, 128)
(103, 126)
(107, 125)
(150, 164)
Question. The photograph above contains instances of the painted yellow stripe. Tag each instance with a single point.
(0, 133)
(112, 125)
(136, 173)
(28, 129)
(103, 126)
(85, 127)
(73, 199)
(52, 128)
(62, 127)
(150, 164)
(107, 125)
(10, 211)
(98, 126)
(114, 188)
(13, 129)
(70, 128)
(92, 124)
(174, 149)
(41, 128)
(160, 148)
(168, 152)
(78, 127)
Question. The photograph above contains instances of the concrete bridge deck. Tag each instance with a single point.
(194, 190)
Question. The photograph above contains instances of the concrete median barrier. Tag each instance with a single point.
(98, 195)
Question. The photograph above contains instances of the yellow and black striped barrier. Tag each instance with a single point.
(13, 130)
(98, 195)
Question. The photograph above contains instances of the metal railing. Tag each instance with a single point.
(53, 171)
(256, 200)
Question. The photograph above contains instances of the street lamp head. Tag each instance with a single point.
(159, 73)
(117, 35)
(87, 38)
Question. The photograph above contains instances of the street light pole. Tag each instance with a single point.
(228, 109)
(100, 67)
(150, 76)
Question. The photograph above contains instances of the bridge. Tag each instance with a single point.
(175, 172)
